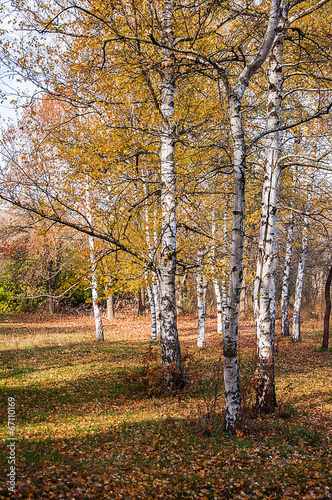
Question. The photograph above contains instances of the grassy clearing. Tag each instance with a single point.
(91, 422)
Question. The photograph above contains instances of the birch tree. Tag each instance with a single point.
(265, 391)
(264, 286)
(296, 330)
(286, 275)
(171, 353)
(94, 280)
(235, 96)
(200, 301)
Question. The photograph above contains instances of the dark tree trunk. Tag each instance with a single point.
(140, 311)
(327, 311)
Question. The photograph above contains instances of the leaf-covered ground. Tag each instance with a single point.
(93, 423)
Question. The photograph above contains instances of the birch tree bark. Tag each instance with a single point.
(231, 377)
(264, 286)
(200, 302)
(151, 295)
(296, 331)
(220, 291)
(285, 281)
(152, 310)
(94, 281)
(242, 306)
(155, 284)
(171, 353)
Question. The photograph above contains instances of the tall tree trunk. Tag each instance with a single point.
(264, 285)
(285, 281)
(200, 302)
(94, 281)
(155, 283)
(296, 331)
(156, 297)
(152, 312)
(220, 291)
(94, 287)
(231, 375)
(151, 257)
(235, 95)
(272, 291)
(171, 353)
(326, 333)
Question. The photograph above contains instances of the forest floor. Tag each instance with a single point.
(92, 422)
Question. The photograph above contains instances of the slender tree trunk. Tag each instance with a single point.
(264, 285)
(155, 283)
(272, 291)
(94, 287)
(140, 308)
(223, 281)
(151, 292)
(171, 353)
(220, 291)
(152, 311)
(242, 307)
(326, 333)
(231, 375)
(200, 302)
(156, 296)
(285, 281)
(235, 95)
(110, 307)
(94, 281)
(296, 331)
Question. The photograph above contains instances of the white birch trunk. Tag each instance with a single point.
(156, 296)
(216, 285)
(231, 375)
(242, 307)
(171, 354)
(155, 284)
(200, 303)
(285, 280)
(151, 295)
(94, 281)
(296, 331)
(223, 281)
(272, 291)
(264, 286)
(218, 292)
(152, 310)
